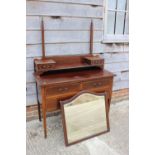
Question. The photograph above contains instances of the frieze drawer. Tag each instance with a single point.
(96, 83)
(52, 104)
(58, 90)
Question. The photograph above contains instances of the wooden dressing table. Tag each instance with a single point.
(61, 77)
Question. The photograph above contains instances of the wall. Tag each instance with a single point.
(67, 25)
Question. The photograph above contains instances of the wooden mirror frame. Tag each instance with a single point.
(62, 103)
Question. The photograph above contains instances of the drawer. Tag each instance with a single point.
(96, 83)
(52, 104)
(63, 89)
(45, 66)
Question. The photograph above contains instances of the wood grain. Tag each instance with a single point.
(120, 76)
(31, 98)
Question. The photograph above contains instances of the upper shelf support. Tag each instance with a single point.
(91, 37)
(43, 39)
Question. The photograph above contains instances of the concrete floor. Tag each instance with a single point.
(113, 143)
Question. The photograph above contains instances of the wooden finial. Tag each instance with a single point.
(43, 39)
(91, 37)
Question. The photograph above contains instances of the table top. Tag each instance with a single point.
(75, 75)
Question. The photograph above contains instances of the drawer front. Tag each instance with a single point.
(44, 66)
(52, 105)
(63, 89)
(96, 83)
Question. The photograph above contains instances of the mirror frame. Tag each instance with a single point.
(62, 103)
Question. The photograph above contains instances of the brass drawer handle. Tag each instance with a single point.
(44, 66)
(66, 88)
(97, 84)
(63, 89)
(100, 83)
(94, 84)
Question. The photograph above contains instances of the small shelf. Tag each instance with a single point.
(71, 66)
(56, 63)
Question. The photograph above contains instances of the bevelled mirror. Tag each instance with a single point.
(84, 116)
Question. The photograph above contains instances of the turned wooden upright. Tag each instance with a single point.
(61, 77)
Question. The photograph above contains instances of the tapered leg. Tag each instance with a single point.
(44, 110)
(44, 123)
(39, 112)
(109, 99)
